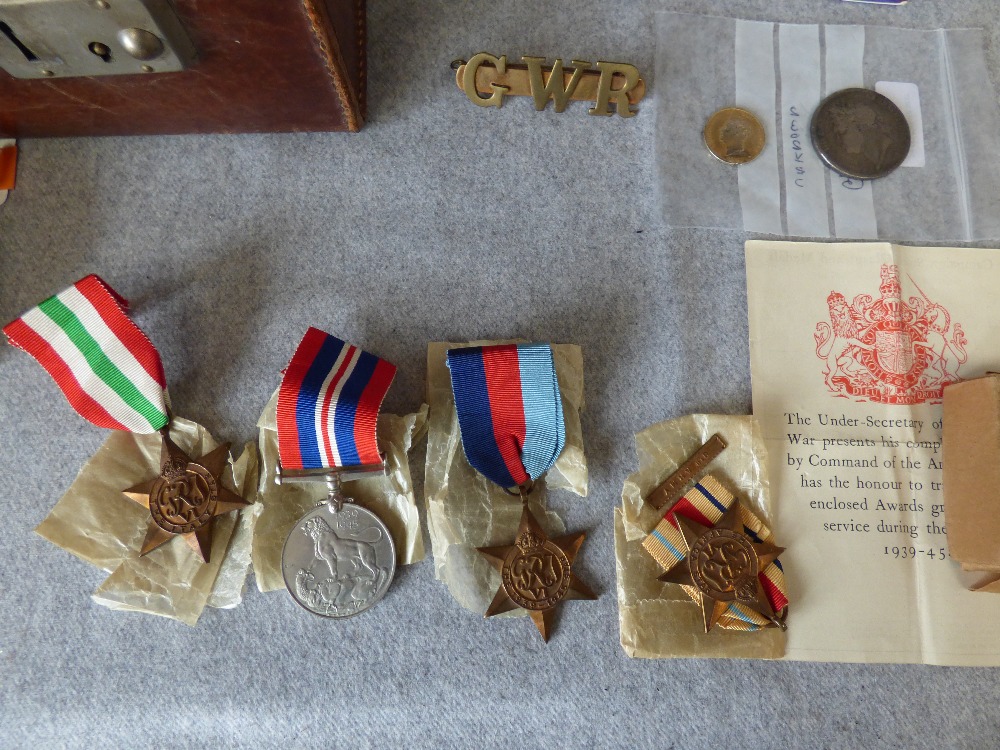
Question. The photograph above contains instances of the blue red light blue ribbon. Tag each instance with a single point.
(328, 404)
(509, 410)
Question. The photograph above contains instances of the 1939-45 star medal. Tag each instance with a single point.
(339, 558)
(713, 546)
(536, 573)
(111, 373)
(510, 415)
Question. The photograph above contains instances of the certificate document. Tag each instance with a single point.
(851, 346)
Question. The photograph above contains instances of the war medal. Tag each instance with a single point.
(722, 556)
(511, 419)
(339, 558)
(112, 375)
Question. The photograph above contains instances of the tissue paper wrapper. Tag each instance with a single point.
(657, 619)
(390, 497)
(465, 510)
(98, 524)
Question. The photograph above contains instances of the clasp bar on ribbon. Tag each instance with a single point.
(333, 476)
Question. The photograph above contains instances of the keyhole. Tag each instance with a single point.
(101, 50)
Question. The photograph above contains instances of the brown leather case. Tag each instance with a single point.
(262, 66)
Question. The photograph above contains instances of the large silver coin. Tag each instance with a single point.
(860, 133)
(338, 564)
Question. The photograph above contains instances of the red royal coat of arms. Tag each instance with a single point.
(887, 350)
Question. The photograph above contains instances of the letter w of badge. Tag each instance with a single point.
(486, 80)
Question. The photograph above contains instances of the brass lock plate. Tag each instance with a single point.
(69, 38)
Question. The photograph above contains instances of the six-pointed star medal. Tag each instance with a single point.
(184, 498)
(722, 566)
(536, 573)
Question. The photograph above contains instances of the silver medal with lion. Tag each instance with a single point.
(338, 563)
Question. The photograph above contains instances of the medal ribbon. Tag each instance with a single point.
(106, 367)
(328, 404)
(707, 501)
(509, 410)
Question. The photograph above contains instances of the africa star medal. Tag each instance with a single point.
(510, 416)
(111, 373)
(339, 558)
(720, 553)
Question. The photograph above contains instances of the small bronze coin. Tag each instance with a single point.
(734, 135)
(860, 133)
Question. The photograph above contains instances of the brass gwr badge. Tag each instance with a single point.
(487, 79)
(185, 497)
(536, 573)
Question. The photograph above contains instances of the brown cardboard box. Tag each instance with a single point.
(971, 474)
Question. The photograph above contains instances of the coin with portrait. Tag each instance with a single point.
(734, 135)
(860, 133)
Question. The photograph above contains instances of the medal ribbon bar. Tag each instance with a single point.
(328, 407)
(107, 368)
(509, 410)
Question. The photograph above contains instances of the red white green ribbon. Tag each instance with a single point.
(107, 368)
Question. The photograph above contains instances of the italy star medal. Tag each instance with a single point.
(339, 558)
(111, 373)
(511, 420)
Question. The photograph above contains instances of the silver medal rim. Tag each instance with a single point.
(392, 571)
(825, 158)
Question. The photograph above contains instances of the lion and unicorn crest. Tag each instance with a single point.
(890, 350)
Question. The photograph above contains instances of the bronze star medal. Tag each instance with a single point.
(184, 499)
(536, 573)
(722, 566)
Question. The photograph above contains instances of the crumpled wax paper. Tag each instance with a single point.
(390, 497)
(98, 524)
(465, 510)
(658, 620)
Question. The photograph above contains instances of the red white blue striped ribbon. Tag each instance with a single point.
(329, 402)
(509, 410)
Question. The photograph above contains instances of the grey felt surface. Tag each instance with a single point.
(439, 221)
